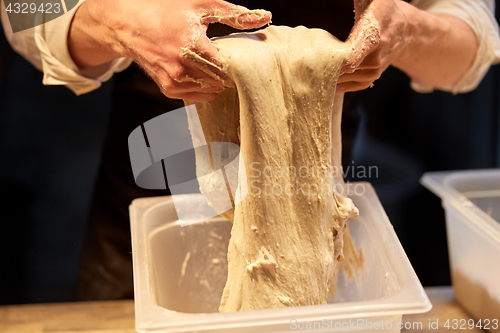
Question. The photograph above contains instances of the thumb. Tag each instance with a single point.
(363, 42)
(235, 16)
(364, 36)
(359, 7)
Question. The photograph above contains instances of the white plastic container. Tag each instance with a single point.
(180, 272)
(471, 200)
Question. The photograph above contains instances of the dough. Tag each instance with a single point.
(287, 235)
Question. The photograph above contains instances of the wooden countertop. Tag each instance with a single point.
(84, 317)
(118, 316)
(444, 307)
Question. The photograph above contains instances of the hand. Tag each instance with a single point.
(167, 38)
(378, 36)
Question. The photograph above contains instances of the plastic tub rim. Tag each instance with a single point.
(384, 306)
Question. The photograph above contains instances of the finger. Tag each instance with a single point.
(185, 84)
(205, 57)
(216, 74)
(199, 81)
(193, 96)
(353, 86)
(189, 86)
(187, 90)
(235, 16)
(186, 75)
(360, 75)
(374, 60)
(208, 90)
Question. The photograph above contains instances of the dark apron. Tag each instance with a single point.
(106, 267)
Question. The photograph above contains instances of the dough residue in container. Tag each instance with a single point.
(183, 267)
(476, 299)
(288, 233)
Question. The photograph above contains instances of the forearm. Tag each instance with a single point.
(167, 38)
(439, 48)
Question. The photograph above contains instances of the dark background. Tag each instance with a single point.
(51, 141)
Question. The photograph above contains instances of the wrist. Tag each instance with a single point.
(90, 42)
(409, 32)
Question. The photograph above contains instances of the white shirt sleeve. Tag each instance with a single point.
(45, 46)
(479, 15)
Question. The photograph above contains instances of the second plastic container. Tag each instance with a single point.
(471, 200)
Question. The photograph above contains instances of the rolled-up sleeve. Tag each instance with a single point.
(46, 47)
(478, 14)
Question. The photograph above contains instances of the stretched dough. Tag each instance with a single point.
(287, 235)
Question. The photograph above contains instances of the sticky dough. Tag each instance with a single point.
(285, 247)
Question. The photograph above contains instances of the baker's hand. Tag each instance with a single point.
(377, 37)
(167, 38)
